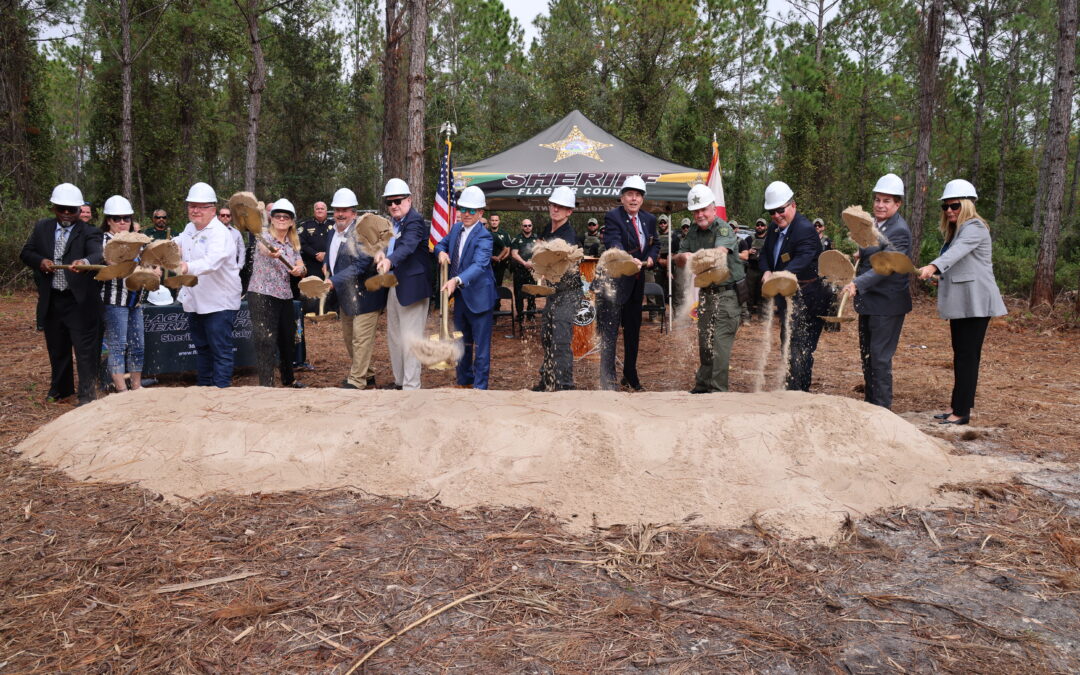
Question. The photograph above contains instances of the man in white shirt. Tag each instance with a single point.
(208, 251)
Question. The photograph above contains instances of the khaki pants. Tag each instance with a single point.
(358, 332)
(405, 323)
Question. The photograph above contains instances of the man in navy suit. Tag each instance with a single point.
(408, 258)
(348, 267)
(69, 302)
(467, 250)
(634, 231)
(792, 245)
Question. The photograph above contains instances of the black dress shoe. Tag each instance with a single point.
(962, 420)
(370, 382)
(942, 416)
(297, 385)
(635, 385)
(698, 390)
(349, 385)
(539, 387)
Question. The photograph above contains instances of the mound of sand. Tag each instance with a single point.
(798, 461)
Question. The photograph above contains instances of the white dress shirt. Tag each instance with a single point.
(210, 254)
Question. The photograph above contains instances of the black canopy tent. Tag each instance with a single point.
(576, 153)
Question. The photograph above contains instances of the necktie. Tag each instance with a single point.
(640, 236)
(59, 280)
(779, 245)
(393, 240)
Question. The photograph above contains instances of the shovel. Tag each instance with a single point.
(440, 351)
(247, 217)
(116, 271)
(181, 280)
(839, 318)
(80, 268)
(314, 287)
(891, 262)
(538, 289)
(780, 283)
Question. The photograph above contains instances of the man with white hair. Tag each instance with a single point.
(882, 301)
(209, 252)
(408, 258)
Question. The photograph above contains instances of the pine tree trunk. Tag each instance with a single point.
(929, 56)
(394, 97)
(1070, 213)
(15, 63)
(1006, 128)
(414, 140)
(126, 133)
(1057, 150)
(256, 86)
(185, 94)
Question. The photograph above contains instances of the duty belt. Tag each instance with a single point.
(721, 287)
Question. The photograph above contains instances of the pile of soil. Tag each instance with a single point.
(801, 463)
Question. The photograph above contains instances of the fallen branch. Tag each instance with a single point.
(206, 582)
(427, 617)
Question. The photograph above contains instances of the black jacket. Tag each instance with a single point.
(84, 242)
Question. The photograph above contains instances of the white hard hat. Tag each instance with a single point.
(118, 206)
(700, 196)
(283, 205)
(959, 189)
(777, 194)
(344, 199)
(563, 196)
(161, 296)
(66, 194)
(890, 184)
(471, 197)
(396, 187)
(201, 193)
(633, 183)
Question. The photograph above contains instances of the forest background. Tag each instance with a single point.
(299, 97)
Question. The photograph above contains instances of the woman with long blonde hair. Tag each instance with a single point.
(968, 295)
(270, 295)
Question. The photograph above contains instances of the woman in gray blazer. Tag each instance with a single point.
(967, 293)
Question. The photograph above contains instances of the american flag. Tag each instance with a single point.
(443, 215)
(715, 183)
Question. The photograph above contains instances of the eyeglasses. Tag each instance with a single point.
(471, 212)
(395, 202)
(161, 217)
(955, 206)
(120, 219)
(281, 216)
(526, 224)
(67, 209)
(776, 212)
(224, 215)
(199, 207)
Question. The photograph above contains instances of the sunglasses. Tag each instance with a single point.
(224, 215)
(471, 212)
(776, 212)
(395, 202)
(67, 209)
(955, 206)
(120, 219)
(161, 217)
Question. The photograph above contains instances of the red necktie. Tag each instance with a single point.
(640, 236)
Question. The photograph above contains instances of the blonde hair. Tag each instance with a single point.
(967, 212)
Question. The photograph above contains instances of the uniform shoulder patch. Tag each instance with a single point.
(724, 231)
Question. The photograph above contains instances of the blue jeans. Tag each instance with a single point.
(124, 339)
(212, 335)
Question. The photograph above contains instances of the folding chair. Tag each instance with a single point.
(506, 293)
(654, 302)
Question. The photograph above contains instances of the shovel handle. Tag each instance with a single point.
(274, 249)
(444, 299)
(843, 299)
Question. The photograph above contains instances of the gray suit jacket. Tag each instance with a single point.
(884, 295)
(967, 288)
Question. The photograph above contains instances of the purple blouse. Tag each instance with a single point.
(269, 276)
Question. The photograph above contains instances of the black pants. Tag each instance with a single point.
(556, 336)
(806, 306)
(69, 325)
(273, 326)
(967, 342)
(522, 276)
(611, 315)
(878, 337)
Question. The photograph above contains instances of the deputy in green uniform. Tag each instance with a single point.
(753, 272)
(160, 230)
(592, 244)
(718, 304)
(521, 252)
(500, 248)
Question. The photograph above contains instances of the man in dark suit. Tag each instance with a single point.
(882, 301)
(633, 230)
(69, 302)
(466, 248)
(792, 245)
(410, 261)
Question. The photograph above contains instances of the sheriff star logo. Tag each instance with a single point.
(576, 144)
